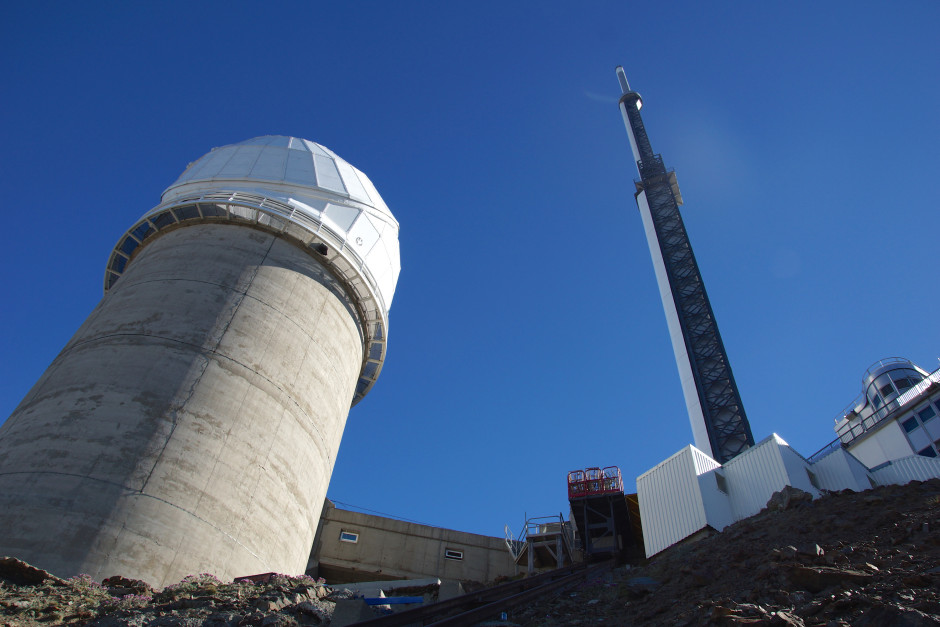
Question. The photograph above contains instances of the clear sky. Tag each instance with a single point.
(527, 337)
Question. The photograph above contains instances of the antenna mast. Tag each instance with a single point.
(719, 424)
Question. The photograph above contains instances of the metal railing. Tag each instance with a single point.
(594, 481)
(537, 526)
(851, 431)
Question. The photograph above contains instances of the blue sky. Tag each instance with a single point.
(527, 337)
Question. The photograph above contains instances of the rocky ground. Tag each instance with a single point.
(862, 559)
(30, 597)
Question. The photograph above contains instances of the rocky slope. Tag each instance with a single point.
(870, 558)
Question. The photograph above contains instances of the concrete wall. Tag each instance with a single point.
(192, 422)
(394, 549)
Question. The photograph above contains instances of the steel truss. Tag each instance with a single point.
(729, 432)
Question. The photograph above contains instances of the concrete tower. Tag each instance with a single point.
(192, 423)
(719, 424)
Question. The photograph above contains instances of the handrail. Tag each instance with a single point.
(534, 526)
(594, 481)
(849, 432)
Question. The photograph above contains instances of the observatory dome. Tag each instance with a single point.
(314, 181)
(287, 163)
(304, 191)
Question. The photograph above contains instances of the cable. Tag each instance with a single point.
(366, 509)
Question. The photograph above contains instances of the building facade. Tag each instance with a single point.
(354, 546)
(896, 415)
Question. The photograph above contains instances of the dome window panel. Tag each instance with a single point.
(351, 181)
(363, 235)
(242, 160)
(328, 175)
(271, 165)
(343, 217)
(299, 169)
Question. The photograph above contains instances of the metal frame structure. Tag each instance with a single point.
(599, 510)
(721, 410)
(545, 539)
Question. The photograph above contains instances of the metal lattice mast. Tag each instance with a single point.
(719, 423)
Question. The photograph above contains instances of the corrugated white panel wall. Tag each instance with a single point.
(907, 469)
(754, 475)
(716, 501)
(841, 471)
(703, 463)
(670, 502)
(796, 467)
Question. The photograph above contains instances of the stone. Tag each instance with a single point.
(818, 578)
(20, 573)
(786, 498)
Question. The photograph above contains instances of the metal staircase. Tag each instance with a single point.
(545, 542)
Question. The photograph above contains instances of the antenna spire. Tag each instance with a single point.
(621, 75)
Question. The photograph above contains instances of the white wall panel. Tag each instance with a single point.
(883, 445)
(716, 502)
(796, 467)
(670, 502)
(841, 471)
(754, 475)
(907, 469)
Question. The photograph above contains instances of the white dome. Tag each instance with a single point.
(314, 180)
(305, 191)
(283, 161)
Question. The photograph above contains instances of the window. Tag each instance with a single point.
(904, 383)
(721, 481)
(451, 554)
(927, 414)
(910, 424)
(928, 452)
(887, 390)
(348, 536)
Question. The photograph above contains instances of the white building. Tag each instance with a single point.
(890, 435)
(896, 415)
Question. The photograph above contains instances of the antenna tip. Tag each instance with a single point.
(622, 77)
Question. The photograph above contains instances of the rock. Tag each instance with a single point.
(786, 618)
(818, 578)
(121, 586)
(786, 498)
(20, 573)
(895, 616)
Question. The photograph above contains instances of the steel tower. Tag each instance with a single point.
(719, 423)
